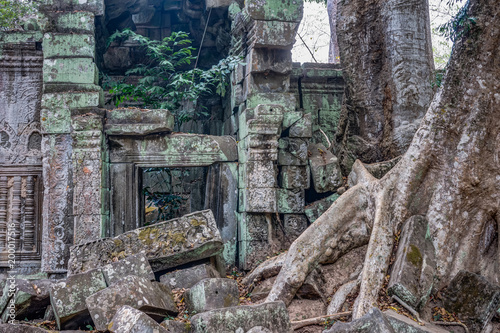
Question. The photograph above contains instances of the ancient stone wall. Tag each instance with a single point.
(71, 172)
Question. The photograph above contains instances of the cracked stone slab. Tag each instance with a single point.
(168, 244)
(153, 298)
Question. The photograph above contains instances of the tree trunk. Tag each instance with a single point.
(333, 52)
(449, 174)
(386, 56)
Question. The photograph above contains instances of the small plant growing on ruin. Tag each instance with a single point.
(165, 82)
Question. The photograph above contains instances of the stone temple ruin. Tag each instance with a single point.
(73, 169)
(71, 166)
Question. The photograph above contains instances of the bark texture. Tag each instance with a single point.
(333, 52)
(386, 56)
(449, 174)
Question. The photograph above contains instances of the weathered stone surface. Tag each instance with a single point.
(294, 225)
(68, 298)
(175, 149)
(132, 121)
(136, 265)
(373, 322)
(292, 151)
(211, 294)
(19, 328)
(168, 244)
(325, 169)
(266, 60)
(272, 316)
(302, 128)
(153, 298)
(272, 34)
(258, 200)
(285, 100)
(402, 324)
(176, 326)
(263, 119)
(68, 45)
(291, 201)
(412, 275)
(300, 309)
(94, 6)
(317, 208)
(257, 174)
(70, 70)
(57, 231)
(295, 177)
(30, 300)
(130, 320)
(474, 299)
(75, 21)
(251, 253)
(188, 277)
(289, 10)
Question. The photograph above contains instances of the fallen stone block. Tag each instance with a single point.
(136, 265)
(412, 275)
(373, 322)
(473, 298)
(153, 298)
(29, 301)
(176, 326)
(210, 294)
(130, 320)
(290, 201)
(19, 328)
(402, 324)
(68, 298)
(168, 244)
(186, 278)
(292, 151)
(325, 169)
(317, 208)
(272, 316)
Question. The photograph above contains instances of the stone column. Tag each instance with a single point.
(71, 162)
(264, 32)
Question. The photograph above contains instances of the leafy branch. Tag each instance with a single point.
(164, 83)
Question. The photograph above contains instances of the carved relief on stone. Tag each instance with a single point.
(57, 210)
(20, 208)
(23, 147)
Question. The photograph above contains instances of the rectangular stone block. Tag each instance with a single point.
(317, 208)
(68, 298)
(263, 60)
(153, 298)
(137, 265)
(210, 294)
(188, 277)
(272, 34)
(294, 224)
(252, 253)
(302, 128)
(292, 151)
(267, 82)
(58, 223)
(94, 6)
(271, 317)
(168, 244)
(246, 154)
(257, 200)
(55, 120)
(291, 117)
(75, 21)
(295, 177)
(286, 100)
(253, 227)
(72, 99)
(70, 70)
(325, 169)
(134, 121)
(257, 174)
(291, 201)
(87, 227)
(287, 10)
(128, 319)
(68, 45)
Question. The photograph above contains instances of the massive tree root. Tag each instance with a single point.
(450, 174)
